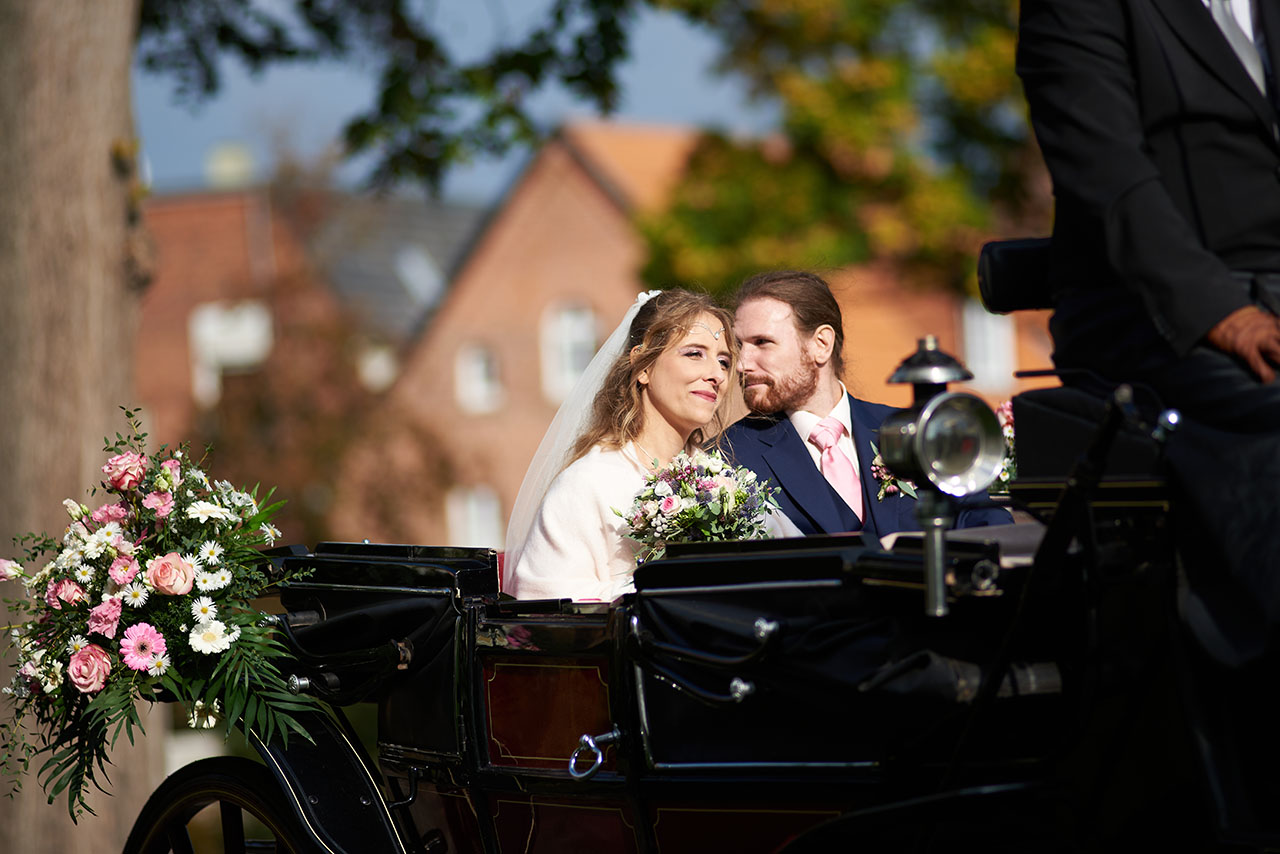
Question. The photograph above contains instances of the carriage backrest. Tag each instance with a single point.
(1013, 274)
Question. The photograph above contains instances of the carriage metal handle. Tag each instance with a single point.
(591, 744)
(765, 631)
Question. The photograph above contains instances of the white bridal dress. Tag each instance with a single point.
(577, 547)
(563, 538)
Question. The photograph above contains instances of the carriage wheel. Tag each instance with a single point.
(237, 788)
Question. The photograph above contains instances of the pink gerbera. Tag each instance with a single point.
(140, 646)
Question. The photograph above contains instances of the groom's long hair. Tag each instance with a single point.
(617, 416)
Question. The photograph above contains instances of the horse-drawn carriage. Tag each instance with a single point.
(1024, 688)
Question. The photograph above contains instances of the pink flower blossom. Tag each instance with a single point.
(116, 512)
(63, 590)
(1004, 414)
(669, 505)
(88, 669)
(105, 618)
(121, 545)
(161, 502)
(174, 468)
(9, 569)
(123, 569)
(140, 645)
(171, 575)
(124, 471)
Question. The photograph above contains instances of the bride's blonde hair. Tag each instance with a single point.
(617, 416)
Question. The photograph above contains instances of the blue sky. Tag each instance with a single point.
(666, 79)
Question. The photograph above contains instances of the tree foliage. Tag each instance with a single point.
(433, 110)
(901, 135)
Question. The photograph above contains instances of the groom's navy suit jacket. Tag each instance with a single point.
(770, 447)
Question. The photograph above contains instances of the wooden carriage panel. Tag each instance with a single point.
(536, 708)
(551, 826)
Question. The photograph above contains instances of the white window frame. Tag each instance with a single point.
(568, 338)
(477, 379)
(990, 347)
(474, 516)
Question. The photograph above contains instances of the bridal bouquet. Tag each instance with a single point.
(151, 592)
(698, 497)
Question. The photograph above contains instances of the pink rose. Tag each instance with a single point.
(171, 574)
(61, 591)
(124, 471)
(174, 468)
(105, 618)
(123, 569)
(88, 669)
(669, 505)
(1004, 414)
(110, 513)
(161, 502)
(9, 569)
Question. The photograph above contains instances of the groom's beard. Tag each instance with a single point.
(783, 394)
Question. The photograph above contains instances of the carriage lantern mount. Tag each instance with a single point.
(949, 443)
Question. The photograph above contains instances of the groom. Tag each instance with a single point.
(806, 433)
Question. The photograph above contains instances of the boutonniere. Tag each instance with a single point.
(889, 485)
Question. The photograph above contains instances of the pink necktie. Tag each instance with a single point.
(837, 468)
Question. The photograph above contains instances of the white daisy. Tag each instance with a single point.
(135, 594)
(160, 665)
(270, 532)
(83, 573)
(210, 637)
(204, 610)
(78, 642)
(210, 553)
(207, 582)
(193, 559)
(223, 578)
(206, 510)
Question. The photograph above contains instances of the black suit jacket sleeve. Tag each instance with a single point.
(1077, 65)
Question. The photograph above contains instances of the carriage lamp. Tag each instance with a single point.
(949, 443)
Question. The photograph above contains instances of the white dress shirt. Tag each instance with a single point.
(804, 422)
(1243, 13)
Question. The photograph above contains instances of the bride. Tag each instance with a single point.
(664, 389)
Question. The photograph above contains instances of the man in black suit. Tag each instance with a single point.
(791, 335)
(1158, 122)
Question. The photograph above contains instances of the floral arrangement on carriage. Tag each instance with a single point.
(698, 497)
(1009, 465)
(147, 597)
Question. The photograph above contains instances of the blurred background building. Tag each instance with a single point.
(390, 363)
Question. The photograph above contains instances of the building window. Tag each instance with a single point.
(478, 388)
(226, 338)
(475, 517)
(990, 347)
(568, 343)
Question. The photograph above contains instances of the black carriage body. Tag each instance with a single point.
(745, 694)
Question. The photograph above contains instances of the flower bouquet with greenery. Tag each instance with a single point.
(148, 594)
(698, 497)
(1009, 465)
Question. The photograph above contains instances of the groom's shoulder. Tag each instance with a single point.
(865, 410)
(752, 426)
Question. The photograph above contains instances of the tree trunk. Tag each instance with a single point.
(68, 303)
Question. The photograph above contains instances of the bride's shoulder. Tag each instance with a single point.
(596, 462)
